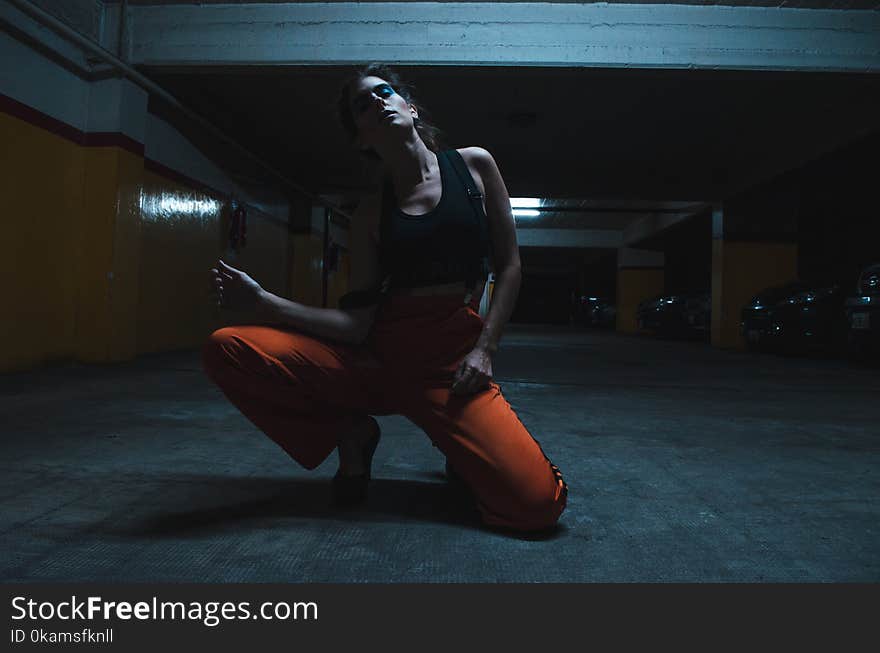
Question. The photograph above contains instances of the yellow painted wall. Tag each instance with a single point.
(634, 285)
(73, 230)
(108, 237)
(180, 242)
(40, 264)
(306, 268)
(108, 260)
(265, 257)
(184, 232)
(739, 271)
(338, 281)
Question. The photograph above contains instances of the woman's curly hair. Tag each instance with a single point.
(430, 134)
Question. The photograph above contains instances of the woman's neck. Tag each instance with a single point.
(411, 164)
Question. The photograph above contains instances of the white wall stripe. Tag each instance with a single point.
(32, 79)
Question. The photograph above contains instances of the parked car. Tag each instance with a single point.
(863, 312)
(698, 314)
(676, 316)
(596, 312)
(584, 312)
(605, 315)
(795, 316)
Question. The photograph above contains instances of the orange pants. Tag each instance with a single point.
(305, 393)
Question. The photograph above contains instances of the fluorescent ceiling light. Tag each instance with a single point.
(525, 202)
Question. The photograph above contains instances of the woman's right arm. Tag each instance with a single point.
(351, 325)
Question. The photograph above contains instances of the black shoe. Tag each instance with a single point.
(352, 490)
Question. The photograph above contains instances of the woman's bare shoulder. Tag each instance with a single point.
(479, 156)
(477, 159)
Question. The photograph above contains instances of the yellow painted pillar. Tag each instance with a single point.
(306, 269)
(108, 254)
(44, 175)
(339, 263)
(741, 269)
(108, 233)
(640, 276)
(181, 227)
(307, 261)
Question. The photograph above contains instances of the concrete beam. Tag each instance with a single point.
(23, 28)
(600, 238)
(627, 257)
(505, 34)
(651, 225)
(85, 16)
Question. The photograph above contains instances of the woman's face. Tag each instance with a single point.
(377, 109)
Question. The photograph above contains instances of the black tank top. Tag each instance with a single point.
(449, 243)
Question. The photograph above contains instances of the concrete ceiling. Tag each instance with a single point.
(806, 4)
(618, 117)
(608, 148)
(619, 135)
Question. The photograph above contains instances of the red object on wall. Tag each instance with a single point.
(238, 226)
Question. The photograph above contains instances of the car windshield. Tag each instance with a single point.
(777, 293)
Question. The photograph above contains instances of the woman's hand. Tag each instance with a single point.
(234, 289)
(474, 373)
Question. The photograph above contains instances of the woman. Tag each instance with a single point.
(408, 340)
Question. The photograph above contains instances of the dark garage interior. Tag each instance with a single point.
(694, 341)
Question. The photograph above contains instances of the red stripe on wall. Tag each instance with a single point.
(39, 119)
(52, 125)
(68, 132)
(114, 139)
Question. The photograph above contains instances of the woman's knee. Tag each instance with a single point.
(217, 350)
(535, 505)
(543, 509)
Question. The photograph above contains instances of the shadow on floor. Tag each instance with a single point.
(252, 499)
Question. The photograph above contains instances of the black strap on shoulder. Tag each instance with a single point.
(475, 197)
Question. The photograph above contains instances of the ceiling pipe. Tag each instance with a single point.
(48, 20)
(123, 12)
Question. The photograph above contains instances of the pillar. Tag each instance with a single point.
(640, 276)
(107, 240)
(753, 247)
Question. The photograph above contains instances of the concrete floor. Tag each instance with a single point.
(684, 463)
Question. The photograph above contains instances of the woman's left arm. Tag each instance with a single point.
(502, 232)
(475, 371)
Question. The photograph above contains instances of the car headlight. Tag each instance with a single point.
(802, 298)
(811, 296)
(870, 283)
